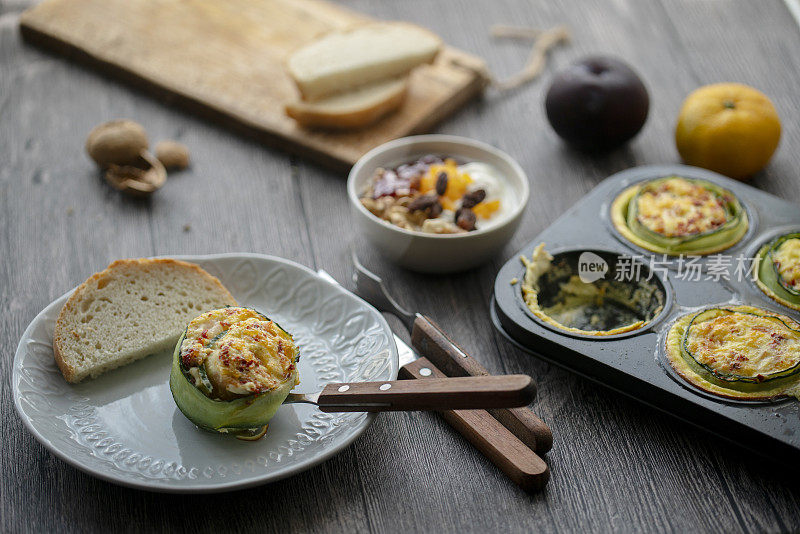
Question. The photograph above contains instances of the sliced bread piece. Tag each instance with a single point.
(353, 109)
(130, 310)
(342, 61)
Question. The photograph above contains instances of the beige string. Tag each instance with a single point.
(544, 40)
(514, 32)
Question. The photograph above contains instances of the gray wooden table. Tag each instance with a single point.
(616, 465)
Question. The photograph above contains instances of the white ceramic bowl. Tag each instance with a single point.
(435, 253)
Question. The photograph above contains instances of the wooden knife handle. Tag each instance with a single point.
(518, 461)
(462, 393)
(433, 343)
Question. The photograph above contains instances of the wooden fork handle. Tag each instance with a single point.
(431, 342)
(462, 393)
(518, 461)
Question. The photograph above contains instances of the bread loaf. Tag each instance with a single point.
(342, 61)
(353, 109)
(131, 309)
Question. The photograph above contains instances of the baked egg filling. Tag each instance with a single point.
(234, 352)
(786, 261)
(676, 215)
(737, 351)
(676, 207)
(777, 269)
(743, 346)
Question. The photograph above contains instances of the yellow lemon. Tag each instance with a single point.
(729, 128)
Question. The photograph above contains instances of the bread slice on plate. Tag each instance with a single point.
(353, 109)
(130, 310)
(341, 61)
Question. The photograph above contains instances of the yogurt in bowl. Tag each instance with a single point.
(488, 178)
(437, 203)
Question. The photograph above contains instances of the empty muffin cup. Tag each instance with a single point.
(591, 292)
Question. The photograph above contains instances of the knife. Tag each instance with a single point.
(429, 339)
(497, 443)
(459, 393)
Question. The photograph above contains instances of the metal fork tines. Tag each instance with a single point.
(370, 287)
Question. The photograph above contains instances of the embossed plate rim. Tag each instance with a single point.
(115, 476)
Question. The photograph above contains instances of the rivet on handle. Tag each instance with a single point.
(342, 389)
(384, 387)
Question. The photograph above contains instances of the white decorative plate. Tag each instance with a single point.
(124, 426)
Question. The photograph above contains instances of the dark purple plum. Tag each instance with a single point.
(597, 103)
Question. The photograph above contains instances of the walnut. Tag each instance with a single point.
(417, 217)
(404, 200)
(399, 215)
(172, 154)
(378, 206)
(119, 142)
(440, 226)
(140, 178)
(372, 206)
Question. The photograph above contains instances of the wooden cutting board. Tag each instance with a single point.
(224, 59)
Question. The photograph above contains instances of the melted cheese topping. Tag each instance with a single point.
(787, 262)
(677, 207)
(744, 345)
(239, 351)
(205, 328)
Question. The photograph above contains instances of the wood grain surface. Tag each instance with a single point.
(488, 435)
(431, 342)
(225, 61)
(615, 465)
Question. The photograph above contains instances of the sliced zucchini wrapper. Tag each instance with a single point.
(246, 416)
(768, 275)
(625, 216)
(730, 384)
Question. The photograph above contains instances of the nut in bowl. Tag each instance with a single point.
(437, 203)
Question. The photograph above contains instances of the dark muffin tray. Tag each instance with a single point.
(635, 363)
